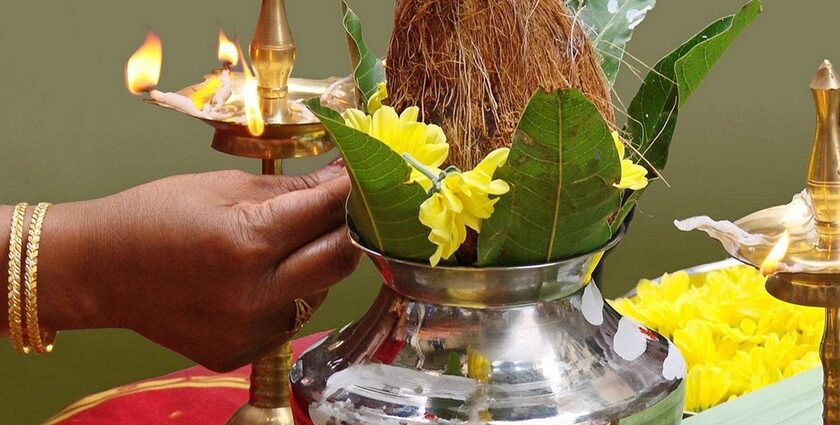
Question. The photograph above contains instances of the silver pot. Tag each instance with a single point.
(530, 345)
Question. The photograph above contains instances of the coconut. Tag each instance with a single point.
(472, 65)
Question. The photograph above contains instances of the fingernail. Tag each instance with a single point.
(338, 162)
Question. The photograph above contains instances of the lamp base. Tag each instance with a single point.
(278, 141)
(269, 400)
(814, 290)
(251, 415)
(818, 291)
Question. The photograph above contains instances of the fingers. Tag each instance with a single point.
(302, 216)
(279, 185)
(315, 267)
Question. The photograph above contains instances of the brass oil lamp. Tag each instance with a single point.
(272, 127)
(821, 288)
(798, 245)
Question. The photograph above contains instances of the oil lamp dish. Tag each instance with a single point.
(300, 135)
(801, 238)
(752, 238)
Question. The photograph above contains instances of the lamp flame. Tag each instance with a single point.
(771, 263)
(142, 72)
(251, 98)
(228, 52)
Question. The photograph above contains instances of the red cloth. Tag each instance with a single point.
(189, 397)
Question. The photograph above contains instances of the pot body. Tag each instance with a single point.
(522, 345)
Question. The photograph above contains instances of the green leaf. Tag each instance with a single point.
(383, 207)
(609, 25)
(653, 112)
(626, 206)
(370, 71)
(562, 167)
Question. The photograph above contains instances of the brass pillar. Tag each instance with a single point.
(830, 356)
(273, 56)
(823, 186)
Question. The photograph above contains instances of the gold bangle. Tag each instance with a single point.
(15, 247)
(30, 287)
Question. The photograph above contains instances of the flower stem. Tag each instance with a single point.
(421, 168)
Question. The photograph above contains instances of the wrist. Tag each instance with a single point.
(70, 294)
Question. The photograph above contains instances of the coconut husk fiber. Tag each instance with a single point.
(472, 65)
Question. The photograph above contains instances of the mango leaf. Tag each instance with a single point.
(609, 25)
(370, 71)
(562, 167)
(653, 112)
(383, 207)
(627, 206)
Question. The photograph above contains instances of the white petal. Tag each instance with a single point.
(592, 305)
(674, 365)
(629, 342)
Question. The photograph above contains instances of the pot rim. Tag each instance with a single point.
(354, 238)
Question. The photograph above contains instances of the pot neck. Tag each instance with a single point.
(491, 286)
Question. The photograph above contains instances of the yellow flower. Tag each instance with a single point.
(807, 362)
(426, 143)
(735, 337)
(462, 200)
(633, 176)
(587, 276)
(375, 101)
(706, 386)
(697, 343)
(664, 306)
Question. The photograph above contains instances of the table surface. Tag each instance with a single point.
(186, 396)
(794, 401)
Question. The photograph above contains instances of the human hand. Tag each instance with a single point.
(208, 265)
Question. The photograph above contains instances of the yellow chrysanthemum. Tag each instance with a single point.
(707, 386)
(463, 200)
(375, 101)
(697, 343)
(734, 336)
(426, 143)
(633, 176)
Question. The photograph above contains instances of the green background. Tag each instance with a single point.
(69, 130)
